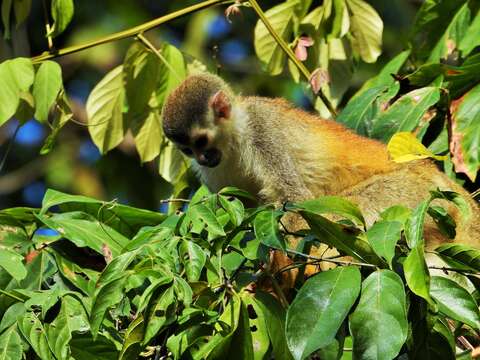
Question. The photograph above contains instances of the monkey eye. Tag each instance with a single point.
(201, 142)
(187, 151)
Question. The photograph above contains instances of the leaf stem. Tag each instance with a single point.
(150, 46)
(6, 293)
(134, 31)
(286, 49)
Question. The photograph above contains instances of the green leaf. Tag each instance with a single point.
(471, 39)
(416, 273)
(6, 10)
(83, 347)
(16, 76)
(383, 237)
(160, 314)
(454, 301)
(234, 208)
(104, 111)
(331, 205)
(463, 255)
(384, 77)
(72, 317)
(405, 113)
(62, 13)
(379, 324)
(10, 315)
(329, 295)
(84, 231)
(341, 237)
(12, 262)
(194, 259)
(125, 219)
(172, 71)
(415, 224)
(361, 109)
(275, 316)
(22, 10)
(366, 28)
(257, 326)
(11, 345)
(466, 133)
(107, 296)
(266, 225)
(47, 86)
(148, 135)
(34, 332)
(133, 338)
(206, 215)
(266, 48)
(63, 114)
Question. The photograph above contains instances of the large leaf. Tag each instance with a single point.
(405, 114)
(16, 76)
(331, 205)
(85, 348)
(366, 28)
(454, 301)
(256, 326)
(72, 317)
(329, 295)
(463, 255)
(379, 324)
(125, 219)
(465, 129)
(104, 110)
(10, 345)
(34, 332)
(84, 231)
(47, 86)
(62, 13)
(268, 50)
(194, 258)
(385, 76)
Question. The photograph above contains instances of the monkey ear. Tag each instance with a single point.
(220, 105)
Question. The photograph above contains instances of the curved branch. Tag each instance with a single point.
(129, 32)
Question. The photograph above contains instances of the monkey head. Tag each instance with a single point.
(196, 118)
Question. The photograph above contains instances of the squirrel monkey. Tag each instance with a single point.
(280, 153)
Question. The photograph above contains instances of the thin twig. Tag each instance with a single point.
(149, 45)
(6, 293)
(48, 28)
(475, 193)
(462, 271)
(9, 147)
(134, 31)
(289, 52)
(166, 201)
(331, 260)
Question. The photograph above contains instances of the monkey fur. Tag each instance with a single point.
(280, 153)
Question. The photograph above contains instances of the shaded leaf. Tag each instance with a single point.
(416, 273)
(331, 294)
(379, 324)
(383, 237)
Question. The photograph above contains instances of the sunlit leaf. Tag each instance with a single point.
(16, 76)
(62, 13)
(194, 259)
(266, 229)
(383, 237)
(268, 50)
(366, 28)
(10, 345)
(47, 85)
(34, 332)
(416, 273)
(104, 110)
(454, 301)
(462, 255)
(404, 147)
(12, 262)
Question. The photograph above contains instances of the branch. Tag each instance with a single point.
(286, 49)
(331, 260)
(129, 32)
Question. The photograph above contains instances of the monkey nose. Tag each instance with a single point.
(209, 158)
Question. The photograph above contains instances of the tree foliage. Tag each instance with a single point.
(110, 281)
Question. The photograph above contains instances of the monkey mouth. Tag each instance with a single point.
(210, 158)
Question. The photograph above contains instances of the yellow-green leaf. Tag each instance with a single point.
(104, 111)
(404, 147)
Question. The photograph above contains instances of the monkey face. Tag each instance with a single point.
(194, 115)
